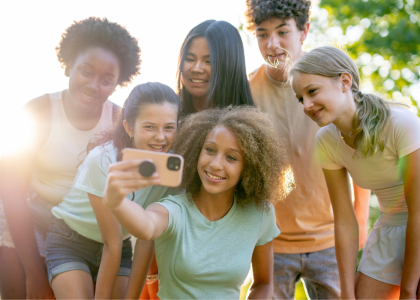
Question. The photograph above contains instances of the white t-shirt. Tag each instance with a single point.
(381, 172)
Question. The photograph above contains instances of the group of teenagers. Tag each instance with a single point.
(69, 203)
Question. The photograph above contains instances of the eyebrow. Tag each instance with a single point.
(281, 25)
(228, 148)
(86, 63)
(189, 53)
(155, 123)
(309, 85)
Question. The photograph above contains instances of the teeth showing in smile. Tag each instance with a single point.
(214, 177)
(316, 113)
(86, 96)
(198, 81)
(157, 147)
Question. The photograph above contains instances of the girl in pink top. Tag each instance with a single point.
(377, 143)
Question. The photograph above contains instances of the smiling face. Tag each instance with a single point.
(196, 70)
(92, 78)
(280, 39)
(155, 127)
(324, 98)
(221, 162)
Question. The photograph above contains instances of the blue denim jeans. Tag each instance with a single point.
(317, 269)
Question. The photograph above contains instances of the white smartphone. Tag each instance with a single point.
(169, 166)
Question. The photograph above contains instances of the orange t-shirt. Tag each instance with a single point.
(305, 218)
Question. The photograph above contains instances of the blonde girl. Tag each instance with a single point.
(376, 143)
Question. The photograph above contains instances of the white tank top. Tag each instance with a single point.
(56, 162)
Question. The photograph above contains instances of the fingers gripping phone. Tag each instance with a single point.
(169, 166)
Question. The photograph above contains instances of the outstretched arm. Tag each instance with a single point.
(263, 268)
(346, 229)
(122, 180)
(411, 268)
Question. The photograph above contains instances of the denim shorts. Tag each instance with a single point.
(68, 250)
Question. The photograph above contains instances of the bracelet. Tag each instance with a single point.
(152, 277)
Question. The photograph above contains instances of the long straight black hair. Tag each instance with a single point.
(228, 80)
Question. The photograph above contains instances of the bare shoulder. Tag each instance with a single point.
(40, 111)
(39, 107)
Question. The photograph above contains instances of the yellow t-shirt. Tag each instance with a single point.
(305, 218)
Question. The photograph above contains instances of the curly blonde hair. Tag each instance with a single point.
(264, 177)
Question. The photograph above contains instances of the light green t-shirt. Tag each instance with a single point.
(76, 210)
(199, 259)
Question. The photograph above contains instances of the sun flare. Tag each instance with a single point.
(16, 132)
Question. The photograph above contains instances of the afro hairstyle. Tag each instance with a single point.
(96, 32)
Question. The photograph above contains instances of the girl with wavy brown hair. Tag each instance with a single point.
(206, 238)
(378, 144)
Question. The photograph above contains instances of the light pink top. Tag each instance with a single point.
(380, 172)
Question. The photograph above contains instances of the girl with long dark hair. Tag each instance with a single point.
(85, 243)
(211, 68)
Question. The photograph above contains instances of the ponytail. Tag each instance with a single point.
(370, 123)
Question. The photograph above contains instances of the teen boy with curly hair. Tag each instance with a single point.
(305, 247)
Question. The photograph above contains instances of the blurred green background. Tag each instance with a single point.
(382, 36)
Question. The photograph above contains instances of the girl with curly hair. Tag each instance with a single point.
(97, 56)
(378, 144)
(211, 68)
(85, 243)
(206, 238)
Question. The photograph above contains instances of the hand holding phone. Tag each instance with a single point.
(169, 166)
(123, 179)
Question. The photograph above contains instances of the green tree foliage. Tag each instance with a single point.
(384, 37)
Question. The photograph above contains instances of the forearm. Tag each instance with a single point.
(143, 255)
(411, 268)
(108, 270)
(261, 291)
(346, 247)
(134, 219)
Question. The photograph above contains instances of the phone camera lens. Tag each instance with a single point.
(174, 163)
(147, 168)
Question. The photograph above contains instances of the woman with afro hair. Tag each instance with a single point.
(97, 56)
(206, 238)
